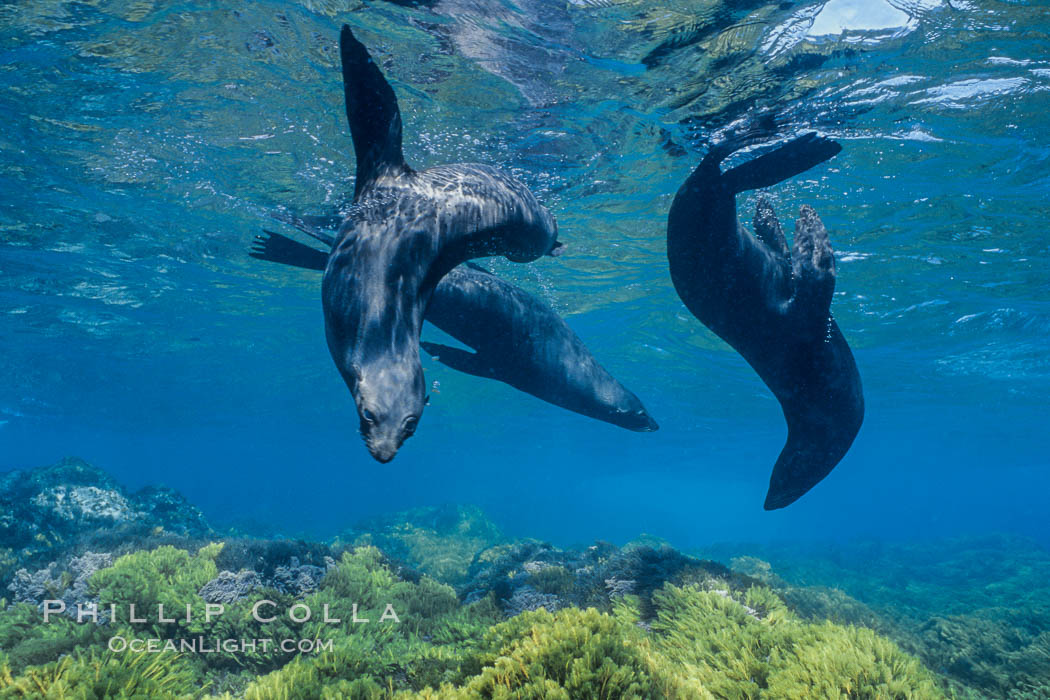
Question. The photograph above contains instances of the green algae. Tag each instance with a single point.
(86, 676)
(975, 610)
(165, 576)
(702, 644)
(385, 636)
(439, 541)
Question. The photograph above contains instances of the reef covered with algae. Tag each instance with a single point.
(438, 603)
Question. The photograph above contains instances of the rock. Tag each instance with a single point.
(229, 587)
(50, 513)
(85, 503)
(299, 579)
(54, 582)
(169, 509)
(530, 574)
(527, 599)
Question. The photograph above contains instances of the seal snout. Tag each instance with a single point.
(644, 423)
(384, 452)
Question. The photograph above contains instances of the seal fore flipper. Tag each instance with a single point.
(373, 114)
(466, 362)
(792, 158)
(274, 247)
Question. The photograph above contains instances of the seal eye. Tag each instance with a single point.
(368, 416)
(410, 425)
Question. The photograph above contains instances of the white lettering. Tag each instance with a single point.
(215, 609)
(255, 612)
(301, 606)
(49, 608)
(389, 614)
(92, 612)
(160, 614)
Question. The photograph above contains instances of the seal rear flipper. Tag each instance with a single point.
(312, 226)
(462, 360)
(793, 158)
(813, 267)
(371, 109)
(767, 228)
(280, 249)
(477, 268)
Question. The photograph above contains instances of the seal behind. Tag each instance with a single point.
(519, 340)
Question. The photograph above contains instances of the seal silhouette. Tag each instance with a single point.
(516, 338)
(771, 304)
(405, 231)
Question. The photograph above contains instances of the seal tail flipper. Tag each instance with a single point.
(792, 158)
(805, 460)
(371, 109)
(466, 362)
(767, 227)
(280, 249)
(823, 417)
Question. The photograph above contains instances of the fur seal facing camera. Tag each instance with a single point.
(771, 303)
(517, 339)
(405, 231)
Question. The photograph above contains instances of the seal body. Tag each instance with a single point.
(405, 231)
(771, 304)
(397, 244)
(519, 340)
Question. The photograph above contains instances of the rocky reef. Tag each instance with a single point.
(143, 599)
(976, 610)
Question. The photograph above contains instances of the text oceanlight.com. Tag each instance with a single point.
(206, 645)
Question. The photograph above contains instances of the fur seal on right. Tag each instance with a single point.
(406, 230)
(770, 303)
(516, 338)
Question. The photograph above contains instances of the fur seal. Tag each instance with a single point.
(770, 303)
(405, 231)
(517, 339)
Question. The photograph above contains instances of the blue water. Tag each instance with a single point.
(145, 143)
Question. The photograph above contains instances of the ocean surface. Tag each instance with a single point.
(143, 145)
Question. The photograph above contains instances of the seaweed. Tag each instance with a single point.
(163, 676)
